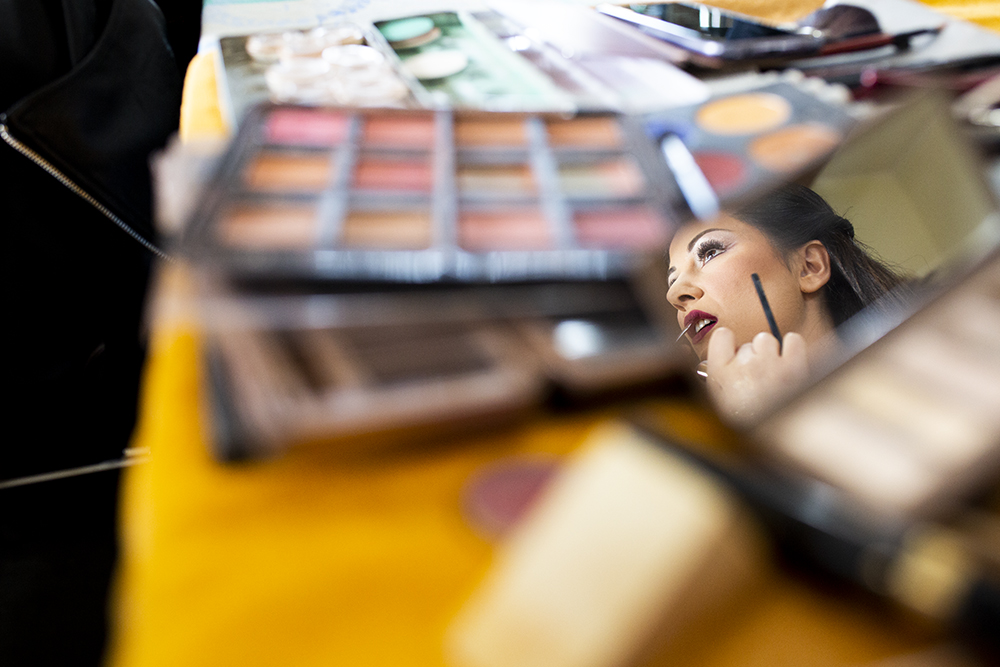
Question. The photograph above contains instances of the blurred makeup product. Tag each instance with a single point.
(292, 368)
(453, 56)
(930, 569)
(717, 37)
(421, 196)
(741, 140)
(602, 63)
(609, 562)
(272, 389)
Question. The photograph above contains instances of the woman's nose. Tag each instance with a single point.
(682, 291)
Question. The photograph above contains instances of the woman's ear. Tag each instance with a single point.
(814, 267)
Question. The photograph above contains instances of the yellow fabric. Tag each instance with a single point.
(317, 560)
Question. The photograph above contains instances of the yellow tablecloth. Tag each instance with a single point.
(316, 560)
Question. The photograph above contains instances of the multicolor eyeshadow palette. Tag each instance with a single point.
(421, 196)
(742, 140)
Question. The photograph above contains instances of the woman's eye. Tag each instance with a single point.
(710, 250)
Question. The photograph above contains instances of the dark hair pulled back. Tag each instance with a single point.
(795, 215)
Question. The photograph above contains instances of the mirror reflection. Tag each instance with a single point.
(839, 257)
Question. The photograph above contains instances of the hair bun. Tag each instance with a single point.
(844, 226)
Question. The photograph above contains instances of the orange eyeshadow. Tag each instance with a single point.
(393, 175)
(269, 226)
(794, 147)
(505, 229)
(402, 132)
(503, 132)
(387, 230)
(297, 172)
(629, 227)
(749, 113)
(585, 132)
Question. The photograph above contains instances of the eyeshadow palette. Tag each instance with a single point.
(343, 367)
(274, 389)
(423, 196)
(419, 196)
(773, 132)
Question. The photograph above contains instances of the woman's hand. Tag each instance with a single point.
(744, 383)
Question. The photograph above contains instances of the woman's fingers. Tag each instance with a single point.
(793, 346)
(765, 344)
(721, 348)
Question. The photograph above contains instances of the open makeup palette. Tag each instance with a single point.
(423, 196)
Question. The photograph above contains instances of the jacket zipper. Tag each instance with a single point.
(76, 189)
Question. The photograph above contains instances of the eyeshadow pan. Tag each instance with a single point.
(500, 132)
(387, 230)
(613, 178)
(269, 226)
(795, 147)
(306, 127)
(749, 113)
(277, 171)
(723, 171)
(410, 175)
(589, 132)
(510, 179)
(520, 228)
(399, 131)
(624, 227)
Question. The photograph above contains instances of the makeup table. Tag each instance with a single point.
(317, 559)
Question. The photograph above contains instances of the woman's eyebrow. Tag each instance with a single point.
(700, 234)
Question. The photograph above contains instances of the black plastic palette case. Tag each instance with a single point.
(422, 196)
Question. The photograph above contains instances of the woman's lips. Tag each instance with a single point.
(701, 324)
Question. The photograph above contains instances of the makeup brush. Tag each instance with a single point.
(767, 308)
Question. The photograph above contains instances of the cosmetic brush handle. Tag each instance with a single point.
(767, 308)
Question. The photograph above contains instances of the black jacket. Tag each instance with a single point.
(92, 88)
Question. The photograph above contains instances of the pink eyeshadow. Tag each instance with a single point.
(307, 127)
(506, 229)
(722, 170)
(393, 175)
(628, 227)
(399, 131)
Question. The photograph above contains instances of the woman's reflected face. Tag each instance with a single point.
(709, 282)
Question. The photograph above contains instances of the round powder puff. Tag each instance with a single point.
(436, 64)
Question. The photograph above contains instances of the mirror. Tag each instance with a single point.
(914, 190)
